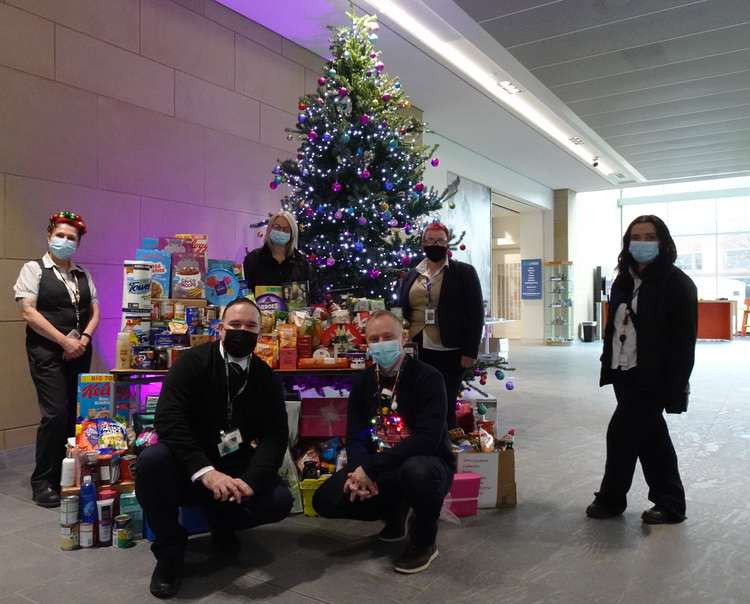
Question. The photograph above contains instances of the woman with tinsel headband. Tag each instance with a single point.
(59, 303)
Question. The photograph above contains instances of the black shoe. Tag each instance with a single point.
(416, 559)
(398, 529)
(657, 515)
(601, 511)
(167, 577)
(46, 497)
(226, 542)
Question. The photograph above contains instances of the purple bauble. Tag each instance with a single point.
(364, 120)
(379, 67)
(362, 221)
(330, 262)
(364, 175)
(405, 260)
(435, 162)
(312, 136)
(393, 223)
(373, 55)
(301, 118)
(326, 137)
(309, 212)
(509, 385)
(386, 97)
(374, 273)
(343, 91)
(338, 215)
(273, 184)
(336, 187)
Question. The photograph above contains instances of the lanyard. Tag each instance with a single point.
(73, 292)
(230, 398)
(629, 312)
(428, 287)
(392, 404)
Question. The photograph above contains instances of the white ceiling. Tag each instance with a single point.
(454, 108)
(665, 82)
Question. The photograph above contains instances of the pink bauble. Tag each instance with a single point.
(419, 187)
(336, 187)
(364, 175)
(330, 262)
(364, 120)
(312, 136)
(338, 215)
(321, 81)
(273, 184)
(386, 97)
(309, 212)
(379, 67)
(343, 91)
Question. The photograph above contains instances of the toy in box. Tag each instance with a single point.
(188, 276)
(296, 294)
(161, 271)
(95, 391)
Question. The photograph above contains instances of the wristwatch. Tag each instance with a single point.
(87, 335)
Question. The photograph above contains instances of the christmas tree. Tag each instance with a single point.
(357, 189)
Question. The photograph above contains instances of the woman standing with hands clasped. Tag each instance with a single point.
(649, 351)
(58, 301)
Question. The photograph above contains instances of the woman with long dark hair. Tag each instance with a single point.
(649, 351)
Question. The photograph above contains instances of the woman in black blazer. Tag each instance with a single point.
(649, 351)
(442, 300)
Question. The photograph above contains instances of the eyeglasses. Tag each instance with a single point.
(278, 227)
(430, 241)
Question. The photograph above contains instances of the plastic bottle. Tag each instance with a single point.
(88, 500)
(122, 355)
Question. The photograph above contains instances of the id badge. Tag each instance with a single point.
(429, 316)
(229, 443)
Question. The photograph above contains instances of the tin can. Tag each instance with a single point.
(179, 311)
(105, 533)
(212, 313)
(161, 357)
(86, 533)
(127, 467)
(69, 537)
(69, 510)
(122, 537)
(176, 352)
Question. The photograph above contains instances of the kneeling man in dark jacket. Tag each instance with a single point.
(399, 455)
(223, 432)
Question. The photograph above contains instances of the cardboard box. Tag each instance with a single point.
(323, 417)
(161, 271)
(288, 358)
(95, 391)
(464, 494)
(498, 476)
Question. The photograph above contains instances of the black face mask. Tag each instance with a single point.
(239, 343)
(436, 253)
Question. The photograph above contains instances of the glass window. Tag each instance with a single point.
(691, 217)
(631, 211)
(733, 214)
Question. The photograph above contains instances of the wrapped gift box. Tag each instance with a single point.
(323, 417)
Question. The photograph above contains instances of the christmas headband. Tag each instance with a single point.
(67, 217)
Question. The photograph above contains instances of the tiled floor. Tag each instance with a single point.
(544, 551)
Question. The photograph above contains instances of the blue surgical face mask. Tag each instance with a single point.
(62, 247)
(644, 252)
(385, 353)
(279, 237)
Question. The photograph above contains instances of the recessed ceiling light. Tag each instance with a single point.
(509, 87)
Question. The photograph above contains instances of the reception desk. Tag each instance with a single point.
(716, 319)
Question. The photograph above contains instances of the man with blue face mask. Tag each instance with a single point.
(399, 455)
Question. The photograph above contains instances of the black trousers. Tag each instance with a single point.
(420, 483)
(448, 363)
(162, 485)
(638, 431)
(56, 383)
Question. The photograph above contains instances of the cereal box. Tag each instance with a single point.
(199, 242)
(173, 245)
(95, 392)
(188, 276)
(161, 262)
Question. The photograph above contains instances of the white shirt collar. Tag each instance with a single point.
(225, 355)
(49, 263)
(422, 266)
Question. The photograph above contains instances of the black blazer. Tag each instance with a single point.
(460, 311)
(666, 325)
